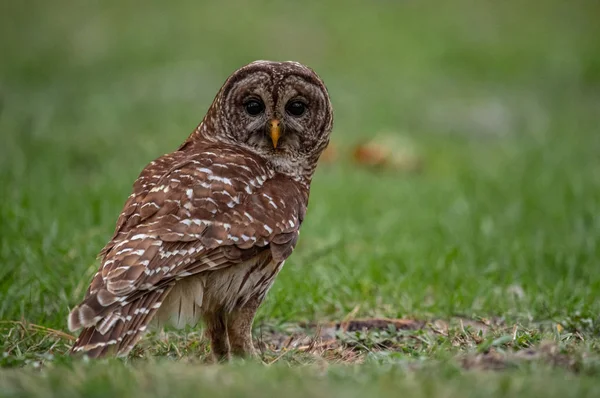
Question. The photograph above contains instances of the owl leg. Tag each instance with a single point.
(239, 328)
(216, 332)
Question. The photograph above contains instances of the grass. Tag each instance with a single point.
(493, 248)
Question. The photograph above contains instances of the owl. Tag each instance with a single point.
(209, 226)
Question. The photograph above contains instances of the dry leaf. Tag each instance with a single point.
(388, 151)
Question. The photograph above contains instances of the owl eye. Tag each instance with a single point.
(254, 107)
(296, 108)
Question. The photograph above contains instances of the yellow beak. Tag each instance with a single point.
(274, 131)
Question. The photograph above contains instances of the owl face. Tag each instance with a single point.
(278, 110)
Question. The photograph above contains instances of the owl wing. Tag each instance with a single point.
(190, 213)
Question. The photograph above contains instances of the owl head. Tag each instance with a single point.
(278, 110)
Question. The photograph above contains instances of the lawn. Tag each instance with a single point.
(476, 273)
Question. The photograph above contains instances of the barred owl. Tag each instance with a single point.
(209, 226)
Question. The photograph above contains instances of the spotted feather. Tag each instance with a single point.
(221, 213)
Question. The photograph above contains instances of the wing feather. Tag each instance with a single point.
(189, 213)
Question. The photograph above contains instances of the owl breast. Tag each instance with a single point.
(215, 291)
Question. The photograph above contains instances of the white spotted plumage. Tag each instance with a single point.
(207, 227)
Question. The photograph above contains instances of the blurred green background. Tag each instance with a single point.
(499, 101)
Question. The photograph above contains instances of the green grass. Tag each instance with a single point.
(499, 101)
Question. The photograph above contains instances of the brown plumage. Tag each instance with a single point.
(208, 227)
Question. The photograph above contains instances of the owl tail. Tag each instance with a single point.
(117, 332)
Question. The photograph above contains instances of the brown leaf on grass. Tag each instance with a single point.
(389, 151)
(370, 154)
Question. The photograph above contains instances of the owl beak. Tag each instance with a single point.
(274, 131)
